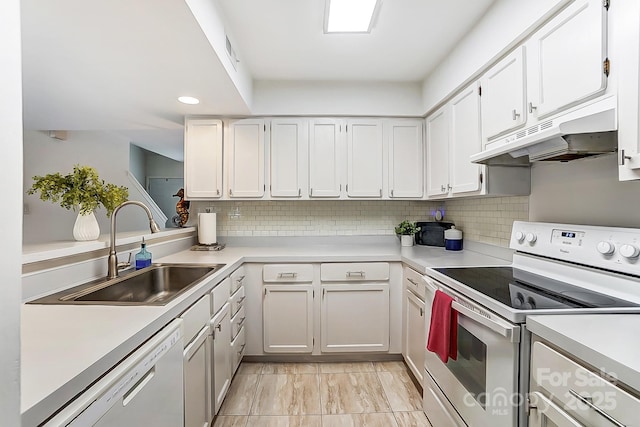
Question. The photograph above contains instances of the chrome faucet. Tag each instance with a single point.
(113, 265)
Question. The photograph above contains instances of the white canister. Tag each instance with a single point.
(453, 239)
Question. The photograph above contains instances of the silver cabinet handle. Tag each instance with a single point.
(442, 188)
(291, 275)
(589, 402)
(381, 192)
(241, 349)
(239, 302)
(311, 192)
(512, 333)
(240, 279)
(217, 191)
(412, 281)
(421, 311)
(230, 192)
(241, 322)
(355, 273)
(299, 192)
(531, 107)
(219, 327)
(392, 192)
(514, 114)
(449, 187)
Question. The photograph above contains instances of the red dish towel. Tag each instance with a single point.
(443, 332)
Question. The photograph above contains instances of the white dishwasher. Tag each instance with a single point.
(145, 388)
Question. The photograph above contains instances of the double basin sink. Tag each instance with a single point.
(155, 285)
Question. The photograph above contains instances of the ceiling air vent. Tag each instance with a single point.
(231, 53)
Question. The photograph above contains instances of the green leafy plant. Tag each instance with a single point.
(407, 228)
(81, 190)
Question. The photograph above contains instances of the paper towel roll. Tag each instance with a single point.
(207, 228)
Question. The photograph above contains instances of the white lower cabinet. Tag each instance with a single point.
(355, 317)
(221, 352)
(197, 381)
(287, 312)
(415, 334)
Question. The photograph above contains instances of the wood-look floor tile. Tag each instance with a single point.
(285, 421)
(400, 391)
(373, 419)
(394, 365)
(240, 395)
(288, 394)
(290, 368)
(352, 393)
(230, 421)
(338, 368)
(250, 368)
(412, 419)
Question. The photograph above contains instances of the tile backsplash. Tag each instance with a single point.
(485, 220)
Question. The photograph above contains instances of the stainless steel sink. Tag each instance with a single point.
(156, 285)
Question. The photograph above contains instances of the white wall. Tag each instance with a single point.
(157, 165)
(337, 98)
(584, 191)
(500, 28)
(107, 152)
(10, 174)
(137, 163)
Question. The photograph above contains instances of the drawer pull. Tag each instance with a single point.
(219, 327)
(412, 281)
(241, 349)
(241, 322)
(355, 273)
(240, 279)
(239, 302)
(291, 275)
(588, 401)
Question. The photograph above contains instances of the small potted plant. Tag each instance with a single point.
(407, 230)
(83, 191)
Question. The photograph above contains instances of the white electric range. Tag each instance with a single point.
(557, 269)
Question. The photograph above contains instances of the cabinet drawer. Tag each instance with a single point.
(414, 281)
(237, 301)
(220, 295)
(284, 273)
(340, 272)
(567, 381)
(195, 317)
(237, 322)
(437, 406)
(237, 278)
(237, 349)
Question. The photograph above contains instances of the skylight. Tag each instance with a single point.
(349, 16)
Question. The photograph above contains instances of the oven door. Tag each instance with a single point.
(482, 383)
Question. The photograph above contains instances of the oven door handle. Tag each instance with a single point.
(507, 330)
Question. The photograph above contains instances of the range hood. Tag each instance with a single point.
(587, 131)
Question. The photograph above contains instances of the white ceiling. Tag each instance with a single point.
(120, 64)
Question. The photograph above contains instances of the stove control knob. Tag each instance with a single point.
(519, 236)
(518, 300)
(531, 237)
(629, 251)
(606, 248)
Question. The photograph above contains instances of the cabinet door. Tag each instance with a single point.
(246, 158)
(438, 153)
(466, 140)
(364, 158)
(503, 96)
(287, 312)
(203, 159)
(548, 414)
(221, 363)
(416, 338)
(565, 58)
(355, 317)
(406, 159)
(197, 382)
(324, 158)
(288, 154)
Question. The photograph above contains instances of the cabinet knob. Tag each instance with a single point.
(515, 114)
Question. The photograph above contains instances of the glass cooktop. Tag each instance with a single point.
(520, 289)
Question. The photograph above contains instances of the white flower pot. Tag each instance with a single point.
(406, 240)
(86, 227)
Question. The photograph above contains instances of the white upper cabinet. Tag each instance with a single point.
(288, 152)
(406, 159)
(565, 58)
(466, 140)
(503, 96)
(325, 154)
(203, 159)
(438, 152)
(364, 158)
(246, 158)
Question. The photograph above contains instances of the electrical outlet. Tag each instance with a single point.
(234, 213)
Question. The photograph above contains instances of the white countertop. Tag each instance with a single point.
(605, 341)
(65, 348)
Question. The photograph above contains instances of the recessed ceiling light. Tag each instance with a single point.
(189, 100)
(349, 16)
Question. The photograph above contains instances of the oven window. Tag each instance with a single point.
(470, 368)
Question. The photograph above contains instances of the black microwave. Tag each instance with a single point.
(432, 233)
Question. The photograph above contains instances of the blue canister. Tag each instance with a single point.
(453, 239)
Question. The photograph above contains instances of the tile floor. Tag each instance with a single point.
(371, 394)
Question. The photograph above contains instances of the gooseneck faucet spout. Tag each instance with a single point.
(113, 266)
